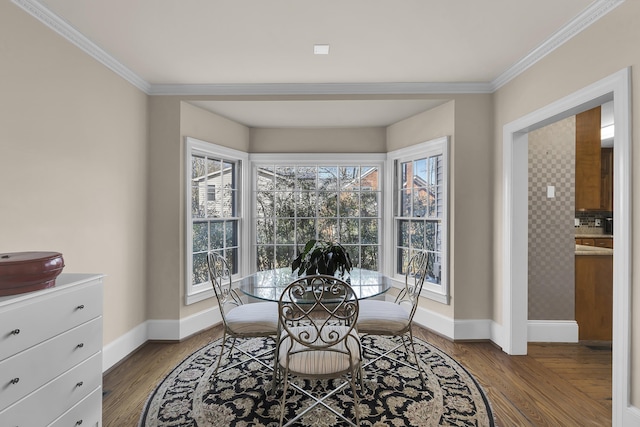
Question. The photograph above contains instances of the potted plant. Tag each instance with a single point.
(322, 257)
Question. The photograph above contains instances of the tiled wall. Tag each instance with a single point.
(551, 222)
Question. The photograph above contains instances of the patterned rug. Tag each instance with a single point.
(394, 396)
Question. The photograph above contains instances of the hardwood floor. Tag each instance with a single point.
(554, 385)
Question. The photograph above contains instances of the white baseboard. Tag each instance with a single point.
(165, 330)
(486, 329)
(471, 329)
(552, 331)
(631, 417)
(124, 345)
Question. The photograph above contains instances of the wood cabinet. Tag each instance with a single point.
(588, 161)
(600, 242)
(51, 354)
(606, 179)
(594, 297)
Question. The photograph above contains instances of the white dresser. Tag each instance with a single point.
(51, 355)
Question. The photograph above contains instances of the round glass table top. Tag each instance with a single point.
(269, 284)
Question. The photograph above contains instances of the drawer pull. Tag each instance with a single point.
(80, 345)
(14, 381)
(79, 384)
(15, 332)
(79, 422)
(80, 307)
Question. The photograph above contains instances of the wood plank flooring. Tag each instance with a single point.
(554, 385)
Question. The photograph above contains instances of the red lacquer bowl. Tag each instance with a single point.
(22, 272)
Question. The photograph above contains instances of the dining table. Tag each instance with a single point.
(268, 285)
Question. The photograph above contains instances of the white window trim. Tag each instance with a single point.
(302, 159)
(439, 293)
(202, 291)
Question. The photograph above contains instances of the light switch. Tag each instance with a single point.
(551, 191)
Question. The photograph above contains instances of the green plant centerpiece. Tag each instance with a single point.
(322, 257)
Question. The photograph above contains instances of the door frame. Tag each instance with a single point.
(615, 87)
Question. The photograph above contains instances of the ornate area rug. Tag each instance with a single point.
(393, 393)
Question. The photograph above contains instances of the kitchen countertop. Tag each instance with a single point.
(593, 236)
(592, 250)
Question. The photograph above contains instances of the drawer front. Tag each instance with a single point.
(49, 402)
(26, 371)
(87, 413)
(33, 321)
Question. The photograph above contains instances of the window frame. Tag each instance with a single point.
(302, 159)
(437, 146)
(201, 291)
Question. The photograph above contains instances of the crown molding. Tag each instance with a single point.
(590, 15)
(60, 26)
(322, 89)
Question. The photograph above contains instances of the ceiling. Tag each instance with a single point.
(260, 55)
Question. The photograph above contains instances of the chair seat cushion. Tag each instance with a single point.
(382, 317)
(256, 318)
(326, 361)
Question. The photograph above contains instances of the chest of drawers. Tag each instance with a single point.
(51, 355)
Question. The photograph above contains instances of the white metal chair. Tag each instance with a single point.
(239, 320)
(318, 339)
(395, 318)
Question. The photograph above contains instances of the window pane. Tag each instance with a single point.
(200, 242)
(265, 231)
(213, 203)
(349, 204)
(284, 230)
(216, 235)
(200, 273)
(403, 233)
(327, 204)
(306, 178)
(417, 235)
(420, 173)
(265, 179)
(264, 204)
(197, 203)
(228, 203)
(369, 178)
(419, 202)
(305, 230)
(349, 231)
(369, 257)
(306, 204)
(369, 231)
(327, 229)
(430, 236)
(265, 258)
(284, 256)
(327, 178)
(285, 178)
(350, 178)
(231, 233)
(285, 206)
(369, 204)
(198, 170)
(228, 176)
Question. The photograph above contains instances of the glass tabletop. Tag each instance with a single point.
(269, 284)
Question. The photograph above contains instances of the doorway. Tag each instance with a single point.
(515, 218)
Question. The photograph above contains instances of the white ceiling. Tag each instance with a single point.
(258, 47)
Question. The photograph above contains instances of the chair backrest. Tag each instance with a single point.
(220, 276)
(318, 312)
(413, 280)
